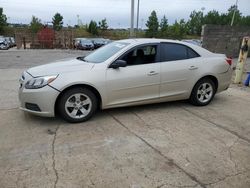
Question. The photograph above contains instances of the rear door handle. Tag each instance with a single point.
(193, 68)
(152, 73)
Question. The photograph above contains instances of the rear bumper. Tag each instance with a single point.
(224, 80)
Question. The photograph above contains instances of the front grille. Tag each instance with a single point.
(33, 107)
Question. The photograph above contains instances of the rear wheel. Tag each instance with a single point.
(77, 105)
(203, 92)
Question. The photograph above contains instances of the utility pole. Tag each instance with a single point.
(132, 18)
(236, 6)
(138, 14)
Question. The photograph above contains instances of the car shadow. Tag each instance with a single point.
(101, 114)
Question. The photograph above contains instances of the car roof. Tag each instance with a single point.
(138, 41)
(86, 40)
(147, 40)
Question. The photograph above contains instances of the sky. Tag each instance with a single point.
(117, 12)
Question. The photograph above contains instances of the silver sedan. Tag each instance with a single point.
(124, 73)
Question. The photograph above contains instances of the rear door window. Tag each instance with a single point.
(174, 52)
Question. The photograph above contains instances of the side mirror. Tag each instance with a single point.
(118, 63)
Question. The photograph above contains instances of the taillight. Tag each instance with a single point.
(229, 61)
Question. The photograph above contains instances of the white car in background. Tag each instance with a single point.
(124, 73)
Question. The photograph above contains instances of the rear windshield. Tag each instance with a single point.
(104, 53)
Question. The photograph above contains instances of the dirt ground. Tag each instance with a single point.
(153, 146)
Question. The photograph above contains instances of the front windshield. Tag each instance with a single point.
(104, 53)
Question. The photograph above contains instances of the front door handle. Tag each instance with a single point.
(193, 68)
(152, 73)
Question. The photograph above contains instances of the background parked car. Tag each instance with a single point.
(107, 41)
(98, 42)
(10, 42)
(13, 42)
(194, 41)
(76, 41)
(3, 43)
(85, 44)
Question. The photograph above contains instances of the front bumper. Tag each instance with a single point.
(44, 98)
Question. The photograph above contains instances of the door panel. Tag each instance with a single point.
(177, 77)
(178, 70)
(133, 83)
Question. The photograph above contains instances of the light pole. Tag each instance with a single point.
(132, 18)
(138, 14)
(235, 8)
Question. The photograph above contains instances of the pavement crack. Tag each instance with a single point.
(19, 176)
(53, 157)
(43, 163)
(149, 125)
(230, 153)
(224, 178)
(178, 186)
(139, 117)
(217, 125)
(191, 176)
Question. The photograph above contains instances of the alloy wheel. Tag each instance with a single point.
(205, 92)
(78, 106)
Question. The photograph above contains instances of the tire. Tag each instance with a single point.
(77, 105)
(203, 92)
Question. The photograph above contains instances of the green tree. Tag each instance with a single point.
(35, 24)
(212, 17)
(3, 20)
(195, 23)
(164, 27)
(183, 27)
(245, 20)
(152, 25)
(57, 21)
(103, 25)
(93, 28)
(178, 30)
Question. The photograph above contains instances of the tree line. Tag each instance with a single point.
(57, 20)
(155, 27)
(93, 27)
(193, 25)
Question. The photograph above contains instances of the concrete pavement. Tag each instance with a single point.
(161, 145)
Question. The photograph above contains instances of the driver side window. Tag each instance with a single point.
(141, 55)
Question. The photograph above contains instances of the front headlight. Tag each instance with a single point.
(39, 82)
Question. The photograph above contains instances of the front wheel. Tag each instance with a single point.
(77, 105)
(203, 92)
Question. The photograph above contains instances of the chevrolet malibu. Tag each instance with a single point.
(124, 73)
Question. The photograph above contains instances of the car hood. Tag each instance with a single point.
(60, 67)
